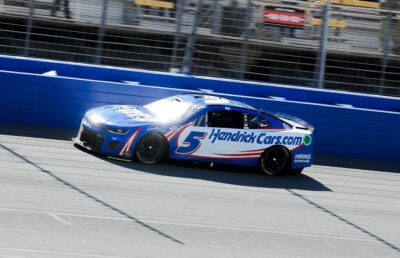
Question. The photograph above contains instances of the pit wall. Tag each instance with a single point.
(347, 125)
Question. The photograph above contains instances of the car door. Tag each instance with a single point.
(219, 134)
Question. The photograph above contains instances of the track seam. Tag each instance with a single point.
(92, 197)
(345, 221)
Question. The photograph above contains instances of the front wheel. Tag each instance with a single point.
(275, 161)
(151, 149)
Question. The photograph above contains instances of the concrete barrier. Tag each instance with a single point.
(347, 124)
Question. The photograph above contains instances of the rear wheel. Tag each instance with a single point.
(151, 149)
(275, 161)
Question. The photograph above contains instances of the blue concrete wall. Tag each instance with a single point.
(111, 74)
(29, 98)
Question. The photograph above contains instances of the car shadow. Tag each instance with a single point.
(226, 174)
(64, 134)
(353, 163)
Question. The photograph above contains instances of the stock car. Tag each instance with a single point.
(202, 128)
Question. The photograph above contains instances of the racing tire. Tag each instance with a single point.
(275, 161)
(151, 149)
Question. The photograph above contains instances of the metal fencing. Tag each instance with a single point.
(339, 44)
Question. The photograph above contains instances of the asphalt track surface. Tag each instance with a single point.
(58, 201)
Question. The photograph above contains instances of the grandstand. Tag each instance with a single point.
(271, 41)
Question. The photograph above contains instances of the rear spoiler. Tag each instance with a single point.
(295, 121)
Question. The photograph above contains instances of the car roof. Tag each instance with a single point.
(210, 100)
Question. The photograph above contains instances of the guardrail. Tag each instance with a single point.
(347, 125)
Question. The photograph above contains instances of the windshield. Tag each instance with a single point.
(173, 109)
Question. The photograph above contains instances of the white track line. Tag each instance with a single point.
(213, 227)
(54, 216)
(9, 256)
(59, 253)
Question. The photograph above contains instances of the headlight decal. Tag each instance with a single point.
(118, 130)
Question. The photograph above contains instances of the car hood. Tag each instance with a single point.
(121, 115)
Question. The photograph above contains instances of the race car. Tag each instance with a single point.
(202, 128)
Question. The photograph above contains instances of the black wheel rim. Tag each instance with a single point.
(274, 160)
(150, 149)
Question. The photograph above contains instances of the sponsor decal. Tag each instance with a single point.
(302, 158)
(128, 111)
(252, 137)
(133, 112)
(192, 143)
(307, 139)
(155, 129)
(284, 17)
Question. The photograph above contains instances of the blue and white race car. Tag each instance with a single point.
(199, 128)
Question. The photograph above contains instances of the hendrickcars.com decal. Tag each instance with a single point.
(194, 139)
(258, 138)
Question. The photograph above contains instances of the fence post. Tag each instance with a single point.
(323, 46)
(29, 27)
(1, 5)
(102, 31)
(78, 10)
(187, 62)
(245, 43)
(179, 9)
(217, 17)
(386, 49)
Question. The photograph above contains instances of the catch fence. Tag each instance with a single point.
(340, 44)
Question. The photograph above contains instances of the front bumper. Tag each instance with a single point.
(93, 138)
(97, 140)
(82, 144)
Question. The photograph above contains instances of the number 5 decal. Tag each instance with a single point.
(192, 143)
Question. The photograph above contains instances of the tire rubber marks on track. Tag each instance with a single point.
(316, 205)
(105, 204)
